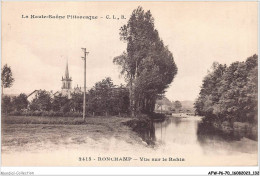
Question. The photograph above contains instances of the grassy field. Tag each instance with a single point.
(20, 133)
(46, 120)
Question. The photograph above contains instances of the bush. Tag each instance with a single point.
(73, 114)
(48, 113)
(26, 113)
(37, 113)
(15, 113)
(58, 114)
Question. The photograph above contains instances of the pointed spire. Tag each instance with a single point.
(67, 71)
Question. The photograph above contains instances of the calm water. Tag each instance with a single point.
(187, 132)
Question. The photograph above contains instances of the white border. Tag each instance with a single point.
(127, 170)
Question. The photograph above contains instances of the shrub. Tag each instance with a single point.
(73, 114)
(15, 113)
(37, 113)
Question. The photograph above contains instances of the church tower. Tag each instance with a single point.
(66, 82)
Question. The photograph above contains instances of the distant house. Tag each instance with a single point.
(159, 108)
(163, 105)
(33, 95)
(56, 94)
(77, 89)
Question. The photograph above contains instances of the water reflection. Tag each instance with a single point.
(148, 134)
(207, 132)
(192, 131)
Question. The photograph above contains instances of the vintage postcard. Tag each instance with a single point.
(129, 84)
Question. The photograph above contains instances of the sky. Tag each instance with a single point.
(197, 34)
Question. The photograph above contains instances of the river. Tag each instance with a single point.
(190, 136)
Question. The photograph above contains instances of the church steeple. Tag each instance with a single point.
(67, 71)
(66, 81)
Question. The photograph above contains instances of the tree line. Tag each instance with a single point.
(104, 98)
(229, 93)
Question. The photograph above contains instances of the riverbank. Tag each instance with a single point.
(181, 115)
(236, 129)
(143, 125)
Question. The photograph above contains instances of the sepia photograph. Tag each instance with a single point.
(129, 84)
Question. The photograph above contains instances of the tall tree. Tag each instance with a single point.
(6, 77)
(147, 65)
(177, 105)
(6, 104)
(100, 97)
(77, 102)
(60, 103)
(105, 97)
(20, 102)
(42, 102)
(120, 100)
